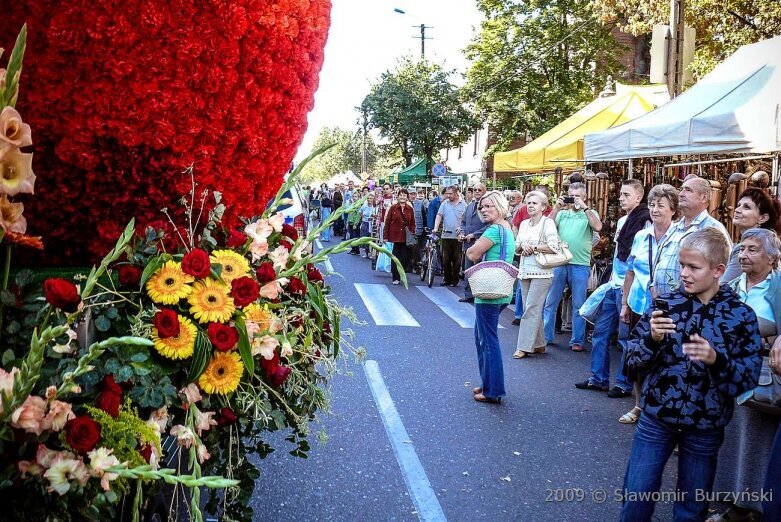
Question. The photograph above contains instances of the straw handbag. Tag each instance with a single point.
(493, 279)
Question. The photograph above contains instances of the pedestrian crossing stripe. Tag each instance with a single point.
(387, 310)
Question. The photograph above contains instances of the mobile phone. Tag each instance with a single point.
(569, 200)
(662, 305)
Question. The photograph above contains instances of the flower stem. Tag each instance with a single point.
(6, 274)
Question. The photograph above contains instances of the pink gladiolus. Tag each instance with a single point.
(29, 416)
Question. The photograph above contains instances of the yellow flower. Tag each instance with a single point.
(258, 315)
(210, 302)
(180, 346)
(169, 284)
(234, 265)
(223, 373)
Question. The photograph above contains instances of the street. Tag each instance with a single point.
(549, 451)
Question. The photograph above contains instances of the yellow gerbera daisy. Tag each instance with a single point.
(234, 265)
(169, 284)
(180, 346)
(210, 302)
(258, 315)
(223, 373)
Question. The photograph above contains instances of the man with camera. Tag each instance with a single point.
(577, 223)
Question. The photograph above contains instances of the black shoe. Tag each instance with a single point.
(453, 284)
(516, 322)
(558, 331)
(588, 385)
(616, 393)
(444, 283)
(467, 300)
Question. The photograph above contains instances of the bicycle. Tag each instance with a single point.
(428, 262)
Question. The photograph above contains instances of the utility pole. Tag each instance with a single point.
(677, 28)
(364, 159)
(423, 39)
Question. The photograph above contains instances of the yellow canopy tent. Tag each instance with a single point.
(562, 146)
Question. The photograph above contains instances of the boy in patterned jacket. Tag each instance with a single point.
(696, 357)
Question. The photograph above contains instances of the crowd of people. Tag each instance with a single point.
(693, 315)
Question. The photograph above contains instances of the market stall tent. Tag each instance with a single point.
(734, 109)
(562, 146)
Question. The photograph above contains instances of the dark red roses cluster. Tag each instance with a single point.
(244, 291)
(266, 273)
(196, 263)
(276, 374)
(235, 111)
(313, 275)
(222, 336)
(129, 276)
(296, 286)
(167, 323)
(82, 433)
(110, 397)
(62, 294)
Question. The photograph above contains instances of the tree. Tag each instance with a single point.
(535, 62)
(345, 155)
(722, 25)
(418, 110)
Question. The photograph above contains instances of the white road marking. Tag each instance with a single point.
(418, 485)
(447, 301)
(383, 305)
(329, 268)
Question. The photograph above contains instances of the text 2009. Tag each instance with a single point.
(564, 495)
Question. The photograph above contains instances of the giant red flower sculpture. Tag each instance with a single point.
(123, 96)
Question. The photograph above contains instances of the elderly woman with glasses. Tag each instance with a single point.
(748, 438)
(493, 208)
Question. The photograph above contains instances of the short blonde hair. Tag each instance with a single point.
(538, 194)
(710, 243)
(499, 201)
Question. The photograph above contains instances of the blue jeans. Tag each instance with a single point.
(327, 232)
(771, 508)
(577, 278)
(489, 354)
(652, 445)
(518, 300)
(608, 322)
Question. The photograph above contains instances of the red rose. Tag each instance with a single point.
(129, 276)
(167, 323)
(235, 239)
(313, 274)
(146, 452)
(269, 365)
(222, 336)
(61, 293)
(244, 291)
(196, 263)
(266, 273)
(226, 417)
(109, 402)
(290, 232)
(109, 385)
(278, 376)
(82, 433)
(296, 286)
(287, 244)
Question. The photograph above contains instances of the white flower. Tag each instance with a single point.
(276, 221)
(258, 249)
(264, 346)
(279, 256)
(287, 350)
(6, 383)
(260, 230)
(67, 348)
(159, 419)
(191, 393)
(203, 453)
(62, 471)
(59, 413)
(301, 250)
(100, 460)
(184, 435)
(204, 421)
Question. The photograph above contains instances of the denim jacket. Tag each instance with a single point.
(687, 394)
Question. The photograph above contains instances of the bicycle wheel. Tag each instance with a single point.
(430, 269)
(422, 270)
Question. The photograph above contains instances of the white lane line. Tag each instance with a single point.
(418, 485)
(384, 307)
(329, 268)
(447, 301)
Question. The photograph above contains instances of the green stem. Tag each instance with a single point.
(6, 274)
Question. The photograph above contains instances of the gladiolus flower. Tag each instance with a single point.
(11, 218)
(258, 249)
(273, 289)
(277, 221)
(203, 421)
(279, 256)
(101, 459)
(6, 383)
(259, 231)
(184, 435)
(264, 346)
(29, 416)
(59, 414)
(62, 471)
(191, 393)
(16, 173)
(203, 453)
(13, 131)
(159, 419)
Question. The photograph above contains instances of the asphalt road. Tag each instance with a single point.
(548, 452)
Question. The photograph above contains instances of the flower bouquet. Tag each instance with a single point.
(166, 364)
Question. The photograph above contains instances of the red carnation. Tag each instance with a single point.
(266, 273)
(196, 263)
(110, 385)
(61, 293)
(167, 323)
(290, 232)
(222, 336)
(244, 291)
(129, 276)
(235, 239)
(296, 286)
(109, 402)
(313, 274)
(226, 417)
(82, 433)
(287, 244)
(279, 376)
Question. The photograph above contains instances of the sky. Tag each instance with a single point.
(367, 38)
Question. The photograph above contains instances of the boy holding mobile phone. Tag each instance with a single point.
(697, 356)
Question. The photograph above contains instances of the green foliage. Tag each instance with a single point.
(535, 62)
(722, 25)
(125, 434)
(345, 155)
(419, 110)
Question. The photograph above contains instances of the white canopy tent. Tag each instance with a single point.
(733, 110)
(344, 178)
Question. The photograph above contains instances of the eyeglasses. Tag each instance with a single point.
(486, 207)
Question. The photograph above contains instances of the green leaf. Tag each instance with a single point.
(8, 356)
(112, 313)
(245, 350)
(102, 323)
(139, 357)
(125, 373)
(153, 266)
(201, 356)
(7, 298)
(141, 369)
(24, 277)
(14, 69)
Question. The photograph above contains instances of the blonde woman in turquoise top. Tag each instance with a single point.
(493, 208)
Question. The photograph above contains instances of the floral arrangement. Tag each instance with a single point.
(127, 93)
(167, 363)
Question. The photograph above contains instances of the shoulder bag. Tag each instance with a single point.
(560, 258)
(766, 397)
(493, 279)
(410, 239)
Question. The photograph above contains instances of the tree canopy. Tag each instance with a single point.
(418, 110)
(535, 62)
(722, 25)
(344, 155)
